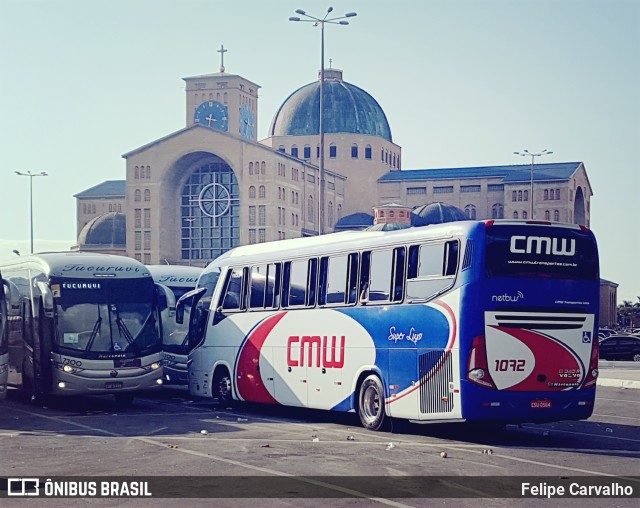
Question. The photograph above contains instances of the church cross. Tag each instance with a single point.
(222, 51)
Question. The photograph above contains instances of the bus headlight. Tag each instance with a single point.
(69, 369)
(155, 366)
(159, 381)
(62, 385)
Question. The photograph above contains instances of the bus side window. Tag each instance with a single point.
(232, 299)
(334, 280)
(312, 282)
(272, 294)
(431, 269)
(398, 274)
(322, 282)
(257, 287)
(297, 276)
(365, 273)
(452, 252)
(381, 272)
(352, 278)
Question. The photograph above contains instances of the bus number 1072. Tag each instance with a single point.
(514, 365)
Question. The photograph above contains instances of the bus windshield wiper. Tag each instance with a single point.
(95, 331)
(123, 330)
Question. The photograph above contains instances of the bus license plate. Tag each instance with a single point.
(541, 404)
(112, 386)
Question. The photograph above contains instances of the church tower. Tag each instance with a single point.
(225, 102)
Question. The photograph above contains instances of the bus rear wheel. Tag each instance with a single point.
(371, 403)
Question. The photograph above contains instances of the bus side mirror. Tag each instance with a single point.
(191, 297)
(13, 297)
(47, 298)
(167, 295)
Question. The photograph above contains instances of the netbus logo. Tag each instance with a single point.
(542, 244)
(507, 298)
(317, 348)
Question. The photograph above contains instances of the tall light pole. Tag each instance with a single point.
(527, 153)
(340, 20)
(31, 175)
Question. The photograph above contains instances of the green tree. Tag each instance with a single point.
(629, 313)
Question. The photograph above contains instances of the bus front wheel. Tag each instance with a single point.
(371, 403)
(222, 386)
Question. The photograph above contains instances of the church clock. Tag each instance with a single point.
(247, 122)
(212, 114)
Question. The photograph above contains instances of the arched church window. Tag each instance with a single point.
(147, 195)
(547, 215)
(515, 215)
(251, 168)
(136, 173)
(252, 192)
(470, 211)
(148, 172)
(294, 151)
(546, 194)
(526, 195)
(263, 167)
(556, 215)
(339, 212)
(514, 196)
(137, 195)
(525, 215)
(519, 195)
(354, 151)
(333, 151)
(497, 211)
(367, 152)
(307, 151)
(557, 193)
(261, 192)
(330, 213)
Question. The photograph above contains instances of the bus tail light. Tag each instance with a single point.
(592, 374)
(477, 366)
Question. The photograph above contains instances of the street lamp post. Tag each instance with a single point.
(527, 153)
(340, 20)
(31, 175)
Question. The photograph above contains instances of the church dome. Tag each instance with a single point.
(436, 213)
(347, 110)
(108, 229)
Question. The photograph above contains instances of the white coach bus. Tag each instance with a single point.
(179, 279)
(87, 324)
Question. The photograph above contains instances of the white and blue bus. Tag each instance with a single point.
(179, 279)
(87, 324)
(491, 321)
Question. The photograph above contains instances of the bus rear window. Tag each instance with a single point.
(539, 251)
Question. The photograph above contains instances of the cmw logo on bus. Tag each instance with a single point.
(555, 246)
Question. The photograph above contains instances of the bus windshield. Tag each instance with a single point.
(540, 251)
(106, 316)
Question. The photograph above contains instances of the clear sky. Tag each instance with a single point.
(462, 82)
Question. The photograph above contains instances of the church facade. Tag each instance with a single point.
(211, 186)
